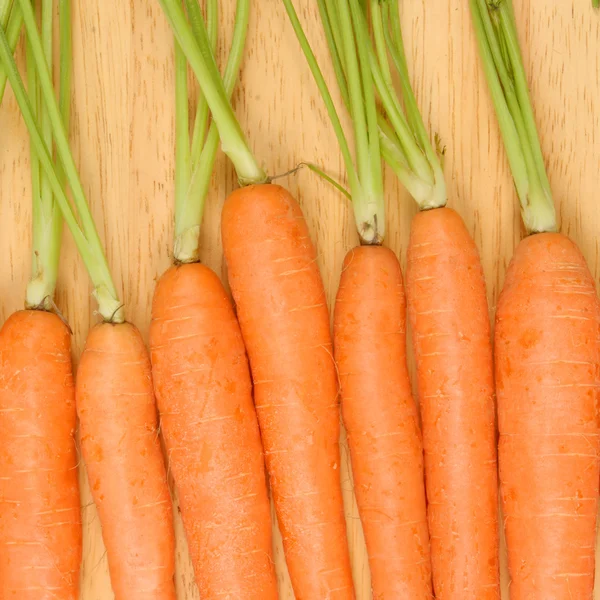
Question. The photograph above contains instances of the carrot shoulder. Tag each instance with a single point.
(284, 320)
(451, 338)
(546, 376)
(208, 421)
(40, 522)
(125, 467)
(381, 419)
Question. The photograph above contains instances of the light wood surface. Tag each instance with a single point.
(123, 139)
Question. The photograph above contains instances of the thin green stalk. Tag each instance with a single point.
(212, 26)
(326, 95)
(333, 41)
(47, 220)
(188, 225)
(5, 7)
(202, 61)
(86, 237)
(182, 138)
(13, 32)
(596, 3)
(372, 231)
(509, 93)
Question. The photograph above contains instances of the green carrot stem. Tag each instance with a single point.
(596, 3)
(5, 8)
(189, 221)
(347, 37)
(212, 26)
(182, 138)
(202, 61)
(502, 63)
(13, 32)
(47, 220)
(86, 237)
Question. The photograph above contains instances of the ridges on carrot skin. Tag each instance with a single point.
(284, 320)
(40, 522)
(125, 467)
(381, 419)
(451, 338)
(547, 361)
(208, 420)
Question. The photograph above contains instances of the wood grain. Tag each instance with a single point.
(122, 135)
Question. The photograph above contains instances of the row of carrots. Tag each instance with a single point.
(248, 398)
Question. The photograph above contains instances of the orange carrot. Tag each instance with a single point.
(201, 373)
(120, 446)
(285, 323)
(40, 523)
(452, 344)
(208, 420)
(547, 359)
(378, 408)
(381, 419)
(114, 396)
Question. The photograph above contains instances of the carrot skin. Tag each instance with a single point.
(451, 338)
(547, 360)
(382, 422)
(209, 424)
(125, 466)
(284, 320)
(40, 518)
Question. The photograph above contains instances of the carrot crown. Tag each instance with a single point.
(387, 129)
(85, 234)
(496, 32)
(195, 160)
(11, 21)
(195, 43)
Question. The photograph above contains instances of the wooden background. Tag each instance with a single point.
(122, 135)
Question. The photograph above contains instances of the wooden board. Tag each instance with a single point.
(123, 139)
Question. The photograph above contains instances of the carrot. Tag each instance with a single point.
(204, 395)
(547, 356)
(40, 521)
(381, 418)
(114, 394)
(284, 321)
(201, 373)
(452, 344)
(546, 364)
(369, 323)
(120, 446)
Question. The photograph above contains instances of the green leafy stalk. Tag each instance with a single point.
(347, 35)
(421, 172)
(501, 58)
(47, 219)
(5, 8)
(13, 31)
(86, 237)
(188, 219)
(212, 26)
(201, 58)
